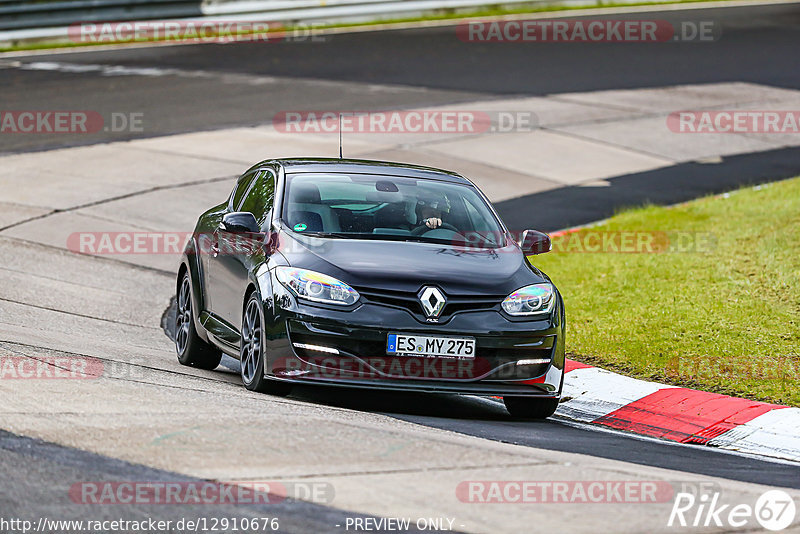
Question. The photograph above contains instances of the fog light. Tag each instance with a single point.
(318, 348)
(533, 362)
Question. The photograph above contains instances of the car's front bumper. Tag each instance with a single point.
(513, 357)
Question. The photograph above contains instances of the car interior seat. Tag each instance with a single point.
(306, 207)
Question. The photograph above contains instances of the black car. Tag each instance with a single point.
(373, 275)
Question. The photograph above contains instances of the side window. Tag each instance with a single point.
(258, 200)
(241, 188)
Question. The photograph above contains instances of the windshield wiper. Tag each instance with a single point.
(362, 235)
(377, 237)
(337, 235)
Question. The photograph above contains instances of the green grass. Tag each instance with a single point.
(725, 320)
(442, 15)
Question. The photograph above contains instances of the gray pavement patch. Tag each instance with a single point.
(651, 136)
(560, 436)
(43, 473)
(573, 206)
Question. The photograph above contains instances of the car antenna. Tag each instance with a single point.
(340, 136)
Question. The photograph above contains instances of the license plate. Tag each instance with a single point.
(430, 346)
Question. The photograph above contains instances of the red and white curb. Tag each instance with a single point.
(600, 397)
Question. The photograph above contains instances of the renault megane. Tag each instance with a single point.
(370, 274)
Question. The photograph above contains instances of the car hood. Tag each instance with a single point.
(407, 266)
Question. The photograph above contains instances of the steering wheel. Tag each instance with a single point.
(420, 230)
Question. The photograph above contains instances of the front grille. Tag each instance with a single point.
(410, 302)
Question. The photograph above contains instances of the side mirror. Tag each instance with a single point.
(534, 242)
(239, 222)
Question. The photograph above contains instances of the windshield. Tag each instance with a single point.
(388, 208)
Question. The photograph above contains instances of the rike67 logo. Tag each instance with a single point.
(774, 510)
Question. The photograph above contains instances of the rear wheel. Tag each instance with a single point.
(191, 349)
(530, 407)
(251, 352)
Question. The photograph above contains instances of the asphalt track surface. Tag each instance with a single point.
(423, 66)
(758, 45)
(489, 419)
(50, 471)
(211, 86)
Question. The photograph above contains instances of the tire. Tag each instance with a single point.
(251, 353)
(530, 407)
(191, 349)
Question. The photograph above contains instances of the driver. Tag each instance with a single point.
(431, 208)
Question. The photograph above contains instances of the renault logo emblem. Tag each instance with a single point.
(432, 301)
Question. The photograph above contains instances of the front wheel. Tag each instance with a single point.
(530, 407)
(251, 353)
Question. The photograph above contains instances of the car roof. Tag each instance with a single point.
(361, 166)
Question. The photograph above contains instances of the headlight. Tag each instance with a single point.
(315, 286)
(537, 299)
